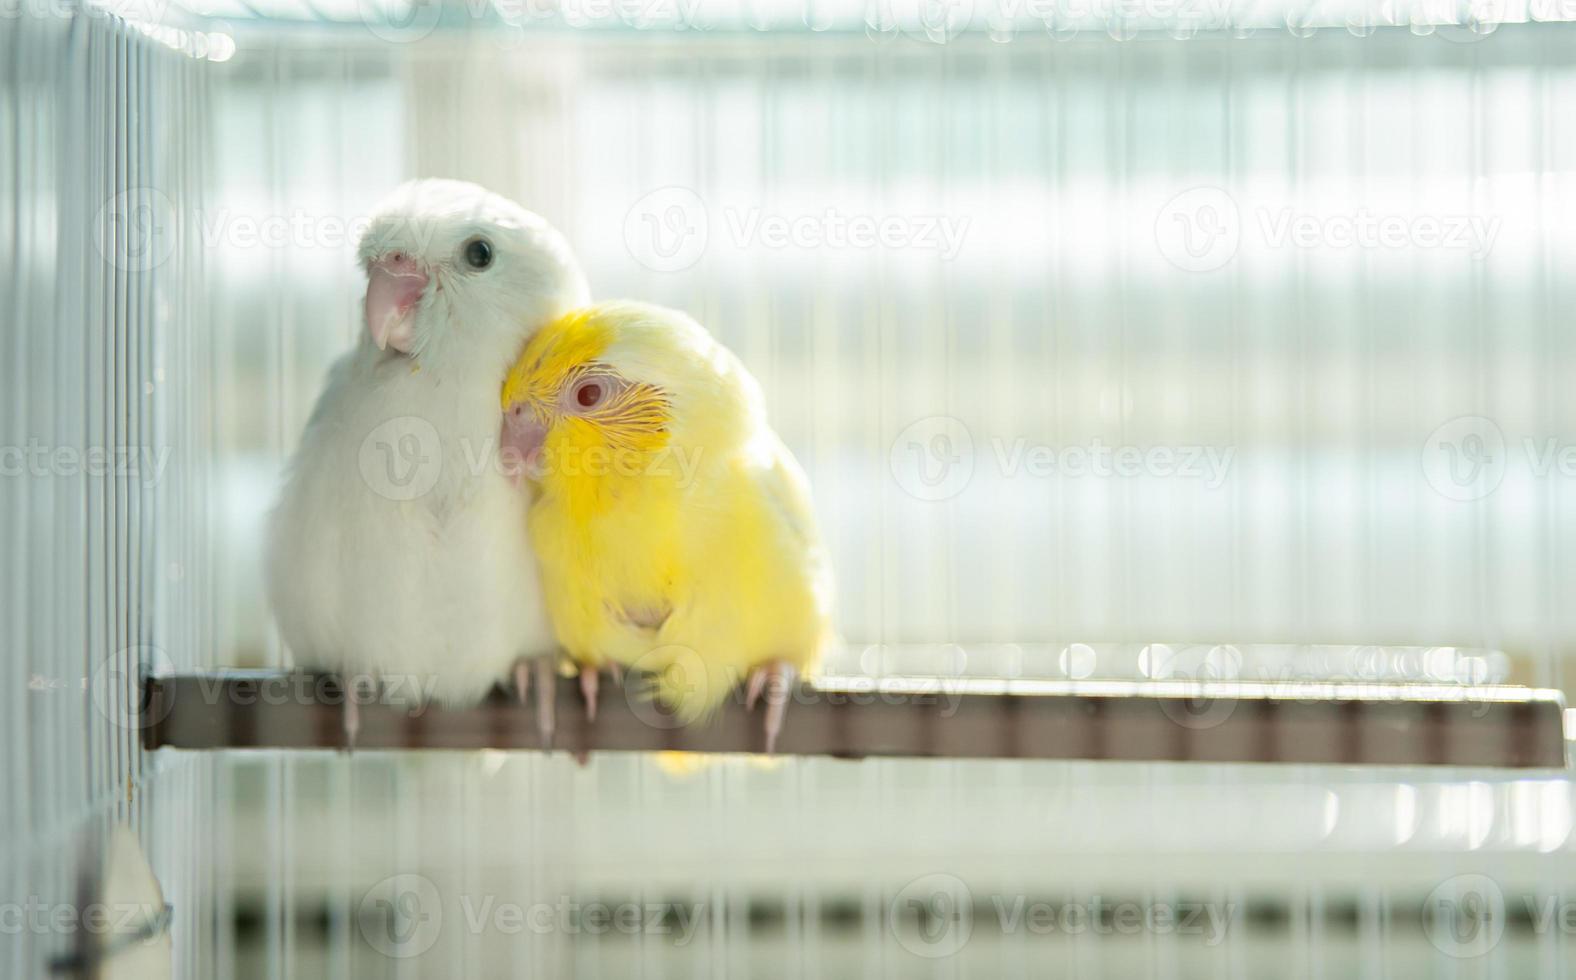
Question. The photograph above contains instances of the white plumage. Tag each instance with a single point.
(398, 546)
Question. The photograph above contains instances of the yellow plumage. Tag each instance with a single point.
(673, 527)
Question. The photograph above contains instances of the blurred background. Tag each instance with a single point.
(1141, 340)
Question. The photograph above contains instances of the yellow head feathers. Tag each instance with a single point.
(624, 377)
(563, 347)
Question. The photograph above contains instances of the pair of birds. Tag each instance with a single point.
(636, 509)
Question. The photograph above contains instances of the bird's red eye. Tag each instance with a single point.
(588, 394)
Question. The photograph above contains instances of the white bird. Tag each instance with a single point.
(397, 551)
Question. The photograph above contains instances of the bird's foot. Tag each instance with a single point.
(590, 685)
(590, 681)
(545, 671)
(352, 688)
(351, 722)
(773, 679)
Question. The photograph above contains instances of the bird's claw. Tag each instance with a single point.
(546, 688)
(351, 722)
(522, 679)
(590, 680)
(773, 679)
(590, 685)
(350, 719)
(546, 704)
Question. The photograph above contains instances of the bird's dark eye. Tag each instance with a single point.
(588, 394)
(478, 253)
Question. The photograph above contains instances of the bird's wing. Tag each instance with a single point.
(785, 486)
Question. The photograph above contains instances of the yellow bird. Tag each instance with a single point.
(673, 527)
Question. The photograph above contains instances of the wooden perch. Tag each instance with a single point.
(853, 717)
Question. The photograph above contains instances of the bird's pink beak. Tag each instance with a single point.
(394, 287)
(520, 443)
